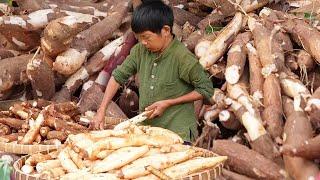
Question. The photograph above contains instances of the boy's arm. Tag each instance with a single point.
(111, 90)
(119, 76)
(193, 73)
(160, 106)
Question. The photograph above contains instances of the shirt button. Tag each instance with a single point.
(154, 64)
(152, 76)
(151, 87)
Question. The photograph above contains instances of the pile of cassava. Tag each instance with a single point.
(40, 122)
(262, 57)
(137, 152)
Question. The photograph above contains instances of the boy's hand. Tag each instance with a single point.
(97, 122)
(158, 108)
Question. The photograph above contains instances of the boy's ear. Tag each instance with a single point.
(166, 30)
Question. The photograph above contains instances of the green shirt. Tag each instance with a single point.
(171, 74)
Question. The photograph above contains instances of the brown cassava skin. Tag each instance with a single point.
(12, 70)
(313, 111)
(90, 40)
(6, 53)
(256, 79)
(308, 36)
(129, 102)
(309, 149)
(26, 36)
(218, 70)
(237, 56)
(58, 35)
(95, 64)
(93, 38)
(272, 114)
(91, 100)
(61, 125)
(12, 122)
(29, 39)
(269, 19)
(269, 51)
(71, 5)
(44, 131)
(41, 76)
(65, 107)
(305, 60)
(182, 16)
(268, 148)
(12, 137)
(62, 136)
(234, 176)
(213, 19)
(291, 62)
(297, 130)
(193, 39)
(245, 161)
(4, 129)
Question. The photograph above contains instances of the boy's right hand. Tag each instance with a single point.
(97, 122)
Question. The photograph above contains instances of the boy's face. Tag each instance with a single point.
(155, 42)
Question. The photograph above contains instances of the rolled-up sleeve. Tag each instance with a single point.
(128, 68)
(191, 71)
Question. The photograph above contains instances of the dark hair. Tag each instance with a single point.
(151, 15)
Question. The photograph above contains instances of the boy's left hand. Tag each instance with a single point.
(158, 108)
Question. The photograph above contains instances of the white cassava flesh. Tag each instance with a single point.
(239, 93)
(87, 175)
(192, 166)
(201, 48)
(76, 158)
(69, 61)
(219, 45)
(237, 58)
(34, 130)
(46, 165)
(66, 161)
(293, 87)
(27, 169)
(252, 123)
(157, 131)
(119, 158)
(158, 161)
(135, 120)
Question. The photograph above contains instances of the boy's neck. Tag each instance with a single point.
(167, 43)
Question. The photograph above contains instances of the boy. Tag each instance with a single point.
(171, 78)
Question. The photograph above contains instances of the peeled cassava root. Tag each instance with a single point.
(130, 160)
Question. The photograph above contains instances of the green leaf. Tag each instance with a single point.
(210, 29)
(308, 16)
(9, 2)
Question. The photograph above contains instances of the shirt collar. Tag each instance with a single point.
(168, 50)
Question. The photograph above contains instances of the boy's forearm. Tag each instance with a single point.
(190, 97)
(111, 90)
